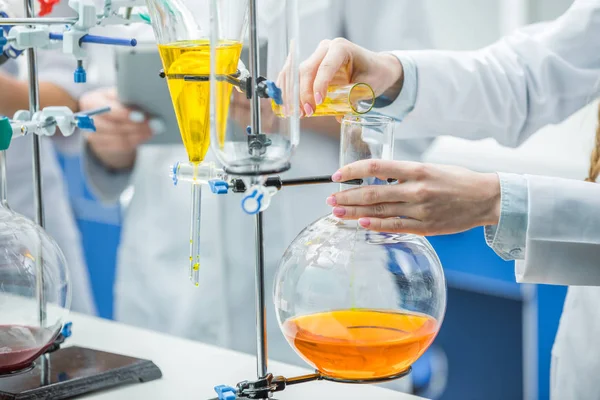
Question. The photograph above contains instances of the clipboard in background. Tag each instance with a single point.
(140, 86)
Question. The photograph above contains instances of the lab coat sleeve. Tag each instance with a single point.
(106, 185)
(512, 88)
(563, 234)
(508, 238)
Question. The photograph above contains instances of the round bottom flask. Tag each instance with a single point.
(30, 263)
(358, 305)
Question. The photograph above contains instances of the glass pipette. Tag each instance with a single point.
(195, 234)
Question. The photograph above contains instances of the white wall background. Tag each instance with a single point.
(470, 24)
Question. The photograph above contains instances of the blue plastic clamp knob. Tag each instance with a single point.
(252, 203)
(3, 40)
(67, 330)
(225, 392)
(86, 123)
(79, 76)
(175, 169)
(274, 92)
(218, 186)
(249, 130)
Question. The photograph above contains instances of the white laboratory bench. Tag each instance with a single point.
(191, 369)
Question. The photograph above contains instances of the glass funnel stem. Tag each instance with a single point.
(3, 184)
(195, 235)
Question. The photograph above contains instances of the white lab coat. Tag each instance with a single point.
(59, 219)
(508, 91)
(152, 288)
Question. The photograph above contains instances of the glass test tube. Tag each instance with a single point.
(358, 98)
(195, 234)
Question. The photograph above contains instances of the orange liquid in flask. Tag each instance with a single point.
(361, 344)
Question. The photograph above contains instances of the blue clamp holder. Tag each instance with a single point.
(252, 203)
(218, 186)
(79, 76)
(67, 330)
(86, 123)
(3, 39)
(274, 93)
(226, 392)
(98, 40)
(10, 51)
(175, 169)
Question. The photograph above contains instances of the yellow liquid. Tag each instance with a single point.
(340, 100)
(361, 344)
(191, 100)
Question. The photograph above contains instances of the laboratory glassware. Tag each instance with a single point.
(358, 305)
(183, 32)
(32, 270)
(262, 144)
(340, 100)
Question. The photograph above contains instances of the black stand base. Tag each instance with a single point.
(75, 371)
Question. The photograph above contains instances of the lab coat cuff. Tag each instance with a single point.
(405, 102)
(508, 238)
(106, 185)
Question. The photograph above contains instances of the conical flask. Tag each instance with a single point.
(182, 30)
(35, 294)
(355, 304)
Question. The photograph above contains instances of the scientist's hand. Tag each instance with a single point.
(239, 112)
(431, 199)
(340, 62)
(119, 132)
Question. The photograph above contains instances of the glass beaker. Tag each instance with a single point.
(358, 305)
(358, 98)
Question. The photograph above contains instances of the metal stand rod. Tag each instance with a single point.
(34, 105)
(261, 317)
(261, 321)
(254, 71)
(303, 379)
(314, 180)
(41, 21)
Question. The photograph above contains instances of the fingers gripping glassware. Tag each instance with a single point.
(358, 98)
(359, 305)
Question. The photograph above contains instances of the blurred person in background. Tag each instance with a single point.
(57, 88)
(152, 288)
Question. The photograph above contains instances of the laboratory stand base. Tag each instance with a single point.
(75, 371)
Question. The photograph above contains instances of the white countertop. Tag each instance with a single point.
(191, 369)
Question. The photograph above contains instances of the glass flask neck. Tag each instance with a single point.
(365, 138)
